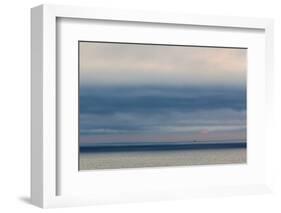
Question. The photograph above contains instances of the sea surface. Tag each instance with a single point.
(161, 158)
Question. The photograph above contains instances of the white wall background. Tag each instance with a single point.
(15, 103)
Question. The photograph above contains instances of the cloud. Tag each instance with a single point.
(132, 64)
(123, 111)
(122, 123)
(159, 99)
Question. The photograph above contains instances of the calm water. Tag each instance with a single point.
(138, 159)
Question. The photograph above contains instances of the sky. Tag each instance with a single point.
(133, 93)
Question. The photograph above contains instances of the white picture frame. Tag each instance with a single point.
(46, 166)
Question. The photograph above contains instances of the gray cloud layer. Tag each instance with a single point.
(122, 111)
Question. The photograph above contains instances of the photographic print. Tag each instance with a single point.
(158, 105)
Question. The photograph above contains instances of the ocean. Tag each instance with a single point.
(161, 158)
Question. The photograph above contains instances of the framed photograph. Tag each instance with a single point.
(151, 105)
(130, 106)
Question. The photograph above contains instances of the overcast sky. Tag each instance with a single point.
(131, 64)
(138, 93)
